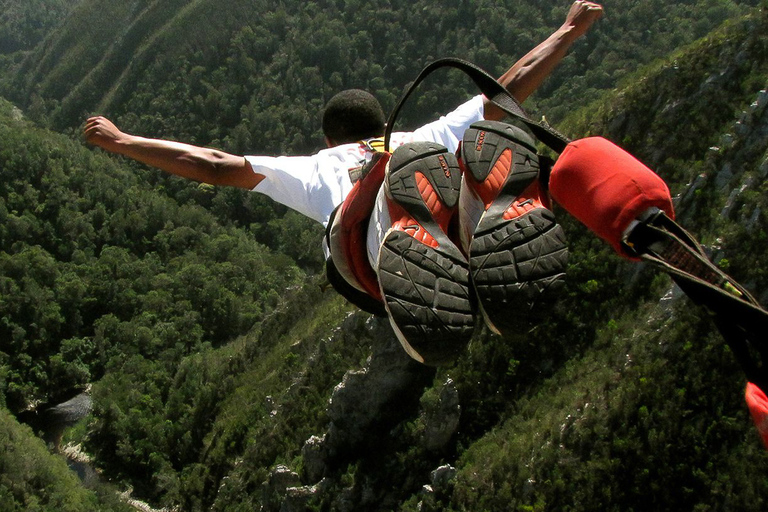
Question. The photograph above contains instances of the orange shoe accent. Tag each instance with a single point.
(525, 202)
(489, 188)
(441, 213)
(404, 221)
(487, 191)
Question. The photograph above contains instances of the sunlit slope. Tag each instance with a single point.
(102, 44)
(251, 74)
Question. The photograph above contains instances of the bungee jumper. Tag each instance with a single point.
(405, 245)
(453, 220)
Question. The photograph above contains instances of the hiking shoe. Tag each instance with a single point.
(424, 277)
(517, 252)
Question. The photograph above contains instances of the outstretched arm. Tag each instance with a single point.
(528, 73)
(193, 162)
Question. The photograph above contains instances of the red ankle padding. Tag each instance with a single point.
(606, 188)
(758, 408)
(349, 245)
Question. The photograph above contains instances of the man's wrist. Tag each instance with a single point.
(569, 33)
(127, 142)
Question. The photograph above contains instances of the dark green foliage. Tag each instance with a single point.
(33, 479)
(213, 359)
(24, 23)
(188, 427)
(97, 267)
(253, 77)
(618, 426)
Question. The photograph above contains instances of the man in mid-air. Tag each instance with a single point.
(435, 227)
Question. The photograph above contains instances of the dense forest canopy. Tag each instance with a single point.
(198, 314)
(24, 24)
(254, 76)
(96, 259)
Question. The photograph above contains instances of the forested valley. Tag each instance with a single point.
(223, 372)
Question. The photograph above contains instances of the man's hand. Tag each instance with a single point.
(102, 132)
(581, 16)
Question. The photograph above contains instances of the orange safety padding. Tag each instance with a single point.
(606, 188)
(758, 408)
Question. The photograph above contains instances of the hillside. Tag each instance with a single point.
(255, 75)
(225, 378)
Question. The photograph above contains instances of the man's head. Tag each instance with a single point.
(352, 115)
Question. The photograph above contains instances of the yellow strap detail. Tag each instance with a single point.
(373, 145)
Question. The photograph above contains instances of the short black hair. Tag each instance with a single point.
(353, 115)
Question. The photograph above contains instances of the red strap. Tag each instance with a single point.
(354, 215)
(606, 188)
(758, 408)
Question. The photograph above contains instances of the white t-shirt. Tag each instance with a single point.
(315, 185)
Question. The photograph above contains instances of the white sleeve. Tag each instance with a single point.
(306, 184)
(449, 129)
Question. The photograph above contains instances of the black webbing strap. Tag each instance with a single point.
(738, 316)
(493, 90)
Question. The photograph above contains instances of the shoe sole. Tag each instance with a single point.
(518, 252)
(423, 276)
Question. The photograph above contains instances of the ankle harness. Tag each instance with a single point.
(605, 188)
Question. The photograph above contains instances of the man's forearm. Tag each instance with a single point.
(528, 73)
(177, 158)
